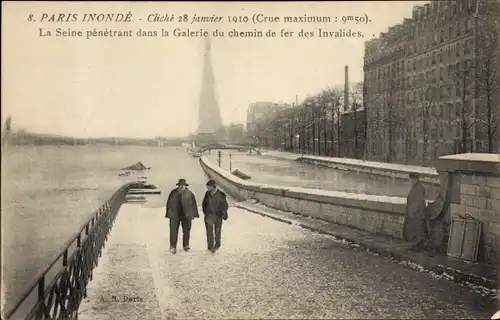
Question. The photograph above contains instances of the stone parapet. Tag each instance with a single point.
(427, 175)
(377, 214)
(474, 191)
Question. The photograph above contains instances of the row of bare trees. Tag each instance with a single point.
(318, 125)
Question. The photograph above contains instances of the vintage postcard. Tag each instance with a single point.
(250, 160)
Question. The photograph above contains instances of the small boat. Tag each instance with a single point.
(240, 174)
(194, 153)
(137, 167)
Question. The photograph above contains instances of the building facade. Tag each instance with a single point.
(430, 88)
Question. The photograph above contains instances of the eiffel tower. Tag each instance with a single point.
(209, 118)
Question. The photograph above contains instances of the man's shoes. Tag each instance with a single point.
(217, 247)
(173, 250)
(212, 250)
(187, 248)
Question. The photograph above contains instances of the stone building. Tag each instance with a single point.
(431, 83)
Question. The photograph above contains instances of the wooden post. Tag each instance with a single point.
(230, 164)
(219, 153)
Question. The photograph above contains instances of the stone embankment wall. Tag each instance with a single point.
(428, 176)
(475, 192)
(377, 214)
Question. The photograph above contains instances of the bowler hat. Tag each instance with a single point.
(211, 183)
(413, 175)
(182, 182)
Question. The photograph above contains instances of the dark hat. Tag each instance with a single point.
(211, 183)
(413, 175)
(182, 182)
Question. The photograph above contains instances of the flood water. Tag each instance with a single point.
(283, 172)
(49, 192)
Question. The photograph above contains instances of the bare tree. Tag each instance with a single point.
(322, 122)
(310, 125)
(332, 98)
(405, 118)
(426, 98)
(365, 115)
(467, 118)
(385, 118)
(487, 64)
(356, 95)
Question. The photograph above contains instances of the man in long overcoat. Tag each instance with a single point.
(415, 225)
(215, 209)
(181, 210)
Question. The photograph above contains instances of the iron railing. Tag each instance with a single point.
(59, 297)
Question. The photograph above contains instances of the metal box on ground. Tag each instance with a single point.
(465, 234)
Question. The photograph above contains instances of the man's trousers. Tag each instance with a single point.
(174, 231)
(213, 225)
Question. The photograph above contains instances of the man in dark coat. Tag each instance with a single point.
(181, 210)
(215, 209)
(415, 225)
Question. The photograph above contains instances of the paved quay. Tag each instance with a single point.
(479, 277)
(265, 269)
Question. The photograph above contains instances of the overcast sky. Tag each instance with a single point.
(150, 86)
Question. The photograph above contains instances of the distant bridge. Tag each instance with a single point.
(227, 146)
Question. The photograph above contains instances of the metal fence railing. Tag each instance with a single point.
(58, 296)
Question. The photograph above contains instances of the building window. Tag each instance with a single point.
(467, 47)
(458, 109)
(468, 26)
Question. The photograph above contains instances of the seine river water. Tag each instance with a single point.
(48, 192)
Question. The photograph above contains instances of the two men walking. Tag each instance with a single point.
(182, 209)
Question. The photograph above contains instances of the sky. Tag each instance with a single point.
(150, 86)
